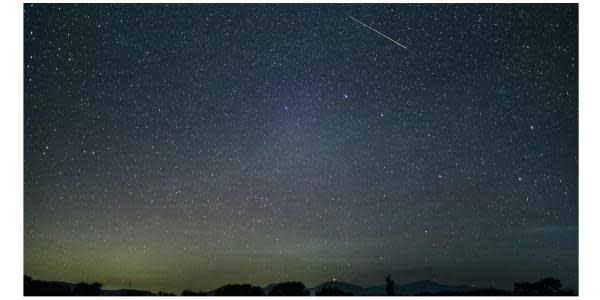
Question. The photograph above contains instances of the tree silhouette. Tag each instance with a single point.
(44, 288)
(389, 285)
(549, 285)
(332, 291)
(292, 288)
(27, 286)
(192, 293)
(239, 290)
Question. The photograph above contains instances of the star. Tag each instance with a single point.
(225, 136)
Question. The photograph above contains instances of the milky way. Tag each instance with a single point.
(189, 146)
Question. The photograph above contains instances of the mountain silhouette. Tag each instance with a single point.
(428, 286)
(354, 289)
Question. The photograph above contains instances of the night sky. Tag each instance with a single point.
(189, 146)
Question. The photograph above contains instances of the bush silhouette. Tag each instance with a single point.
(239, 290)
(192, 293)
(546, 287)
(332, 291)
(293, 288)
(389, 285)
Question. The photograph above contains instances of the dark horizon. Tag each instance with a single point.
(131, 285)
(548, 286)
(186, 146)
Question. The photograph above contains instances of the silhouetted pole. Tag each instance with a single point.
(389, 286)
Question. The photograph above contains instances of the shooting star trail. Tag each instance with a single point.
(385, 36)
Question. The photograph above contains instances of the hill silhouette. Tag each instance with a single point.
(342, 286)
(332, 291)
(288, 289)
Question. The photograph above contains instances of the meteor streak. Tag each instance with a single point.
(385, 36)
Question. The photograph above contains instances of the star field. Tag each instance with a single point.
(189, 146)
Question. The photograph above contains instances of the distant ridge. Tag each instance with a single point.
(429, 286)
(344, 286)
